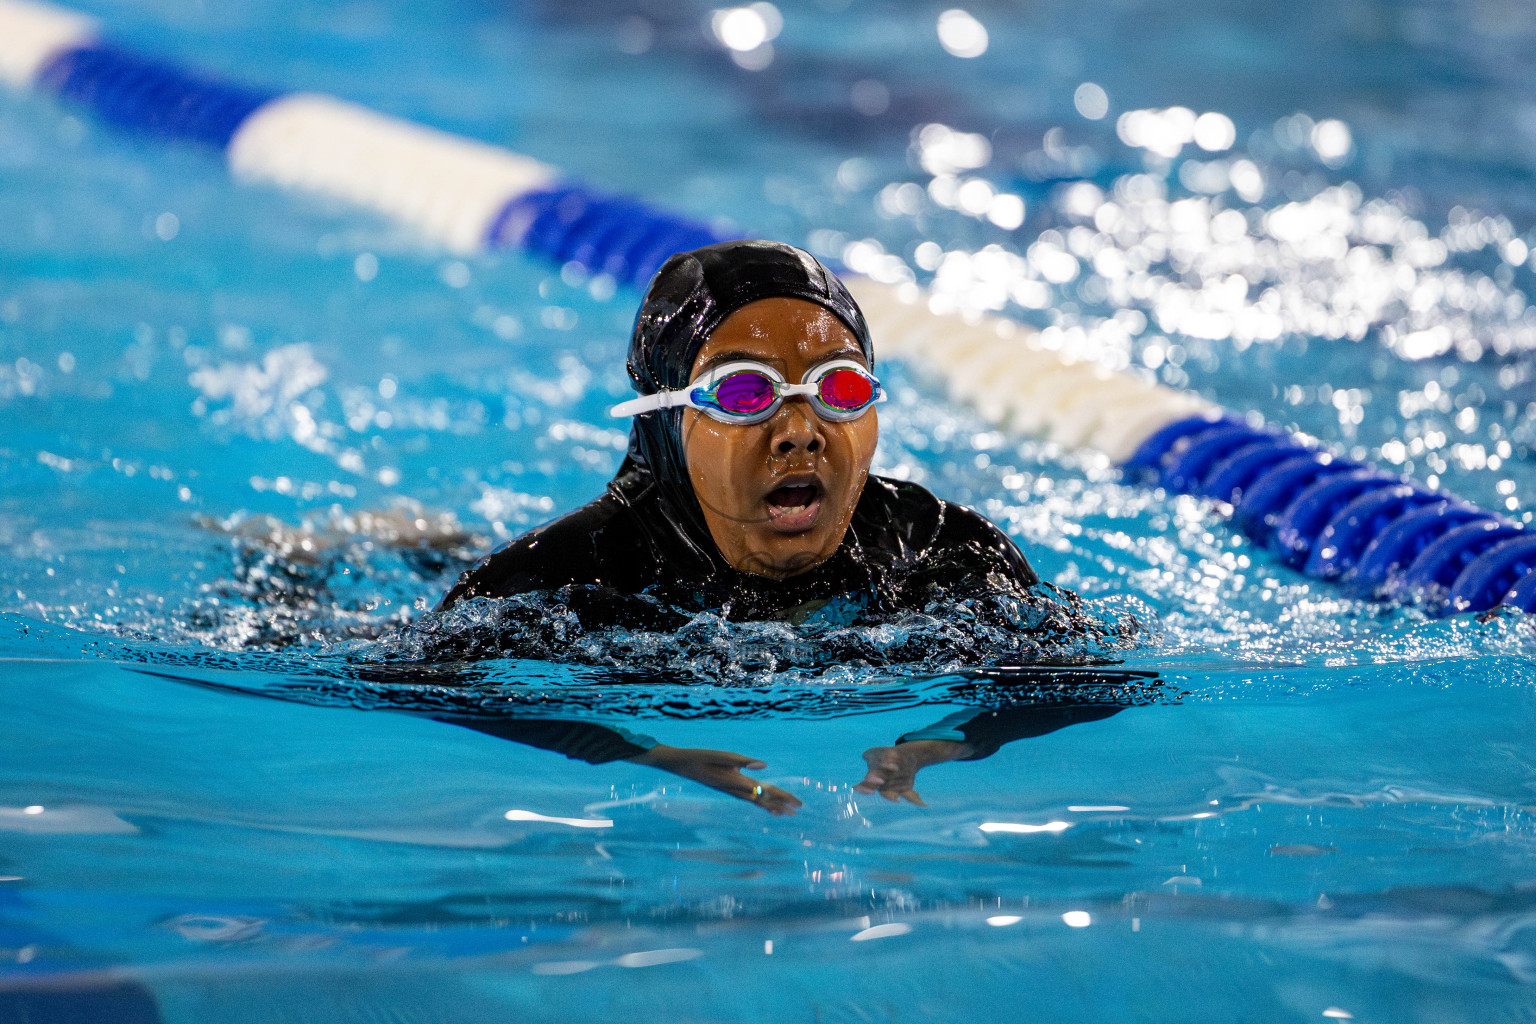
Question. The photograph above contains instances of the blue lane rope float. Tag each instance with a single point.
(1380, 534)
(148, 96)
(1376, 533)
(613, 235)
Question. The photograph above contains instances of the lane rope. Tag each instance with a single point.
(1378, 534)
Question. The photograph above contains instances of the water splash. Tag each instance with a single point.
(1047, 625)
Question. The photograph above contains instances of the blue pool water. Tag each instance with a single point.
(247, 440)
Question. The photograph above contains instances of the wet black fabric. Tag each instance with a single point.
(985, 730)
(689, 297)
(988, 729)
(904, 548)
(577, 740)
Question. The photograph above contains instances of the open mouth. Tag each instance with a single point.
(792, 508)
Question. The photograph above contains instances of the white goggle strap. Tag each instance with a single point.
(672, 399)
(650, 403)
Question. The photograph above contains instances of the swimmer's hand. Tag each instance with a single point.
(720, 769)
(893, 770)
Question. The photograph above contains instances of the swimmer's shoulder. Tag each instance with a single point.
(936, 530)
(599, 543)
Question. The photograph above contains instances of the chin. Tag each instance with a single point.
(781, 560)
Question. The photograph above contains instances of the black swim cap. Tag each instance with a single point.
(687, 299)
(694, 291)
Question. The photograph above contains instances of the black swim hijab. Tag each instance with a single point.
(689, 297)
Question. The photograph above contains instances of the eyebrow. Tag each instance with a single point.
(735, 357)
(720, 358)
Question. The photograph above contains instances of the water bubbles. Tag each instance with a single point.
(975, 196)
(868, 257)
(333, 577)
(746, 28)
(854, 173)
(1247, 180)
(1006, 211)
(508, 327)
(943, 190)
(1091, 101)
(961, 35)
(747, 32)
(263, 397)
(869, 97)
(1333, 265)
(1293, 132)
(1214, 132)
(901, 199)
(943, 150)
(1332, 142)
(1053, 263)
(1083, 200)
(689, 643)
(1164, 132)
(635, 34)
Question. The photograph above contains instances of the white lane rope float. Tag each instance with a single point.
(1378, 533)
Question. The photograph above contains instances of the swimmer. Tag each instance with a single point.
(746, 488)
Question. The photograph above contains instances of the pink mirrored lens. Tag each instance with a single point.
(744, 394)
(846, 389)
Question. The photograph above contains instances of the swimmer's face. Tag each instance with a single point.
(778, 495)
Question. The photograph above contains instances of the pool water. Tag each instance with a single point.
(247, 440)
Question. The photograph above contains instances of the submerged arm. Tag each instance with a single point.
(967, 735)
(600, 744)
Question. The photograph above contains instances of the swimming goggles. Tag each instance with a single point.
(750, 392)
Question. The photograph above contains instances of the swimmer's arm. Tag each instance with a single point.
(984, 731)
(892, 771)
(601, 744)
(968, 735)
(722, 770)
(580, 741)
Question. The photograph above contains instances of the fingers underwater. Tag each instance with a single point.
(873, 779)
(778, 802)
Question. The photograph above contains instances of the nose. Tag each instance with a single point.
(796, 429)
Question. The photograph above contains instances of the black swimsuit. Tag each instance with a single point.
(904, 547)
